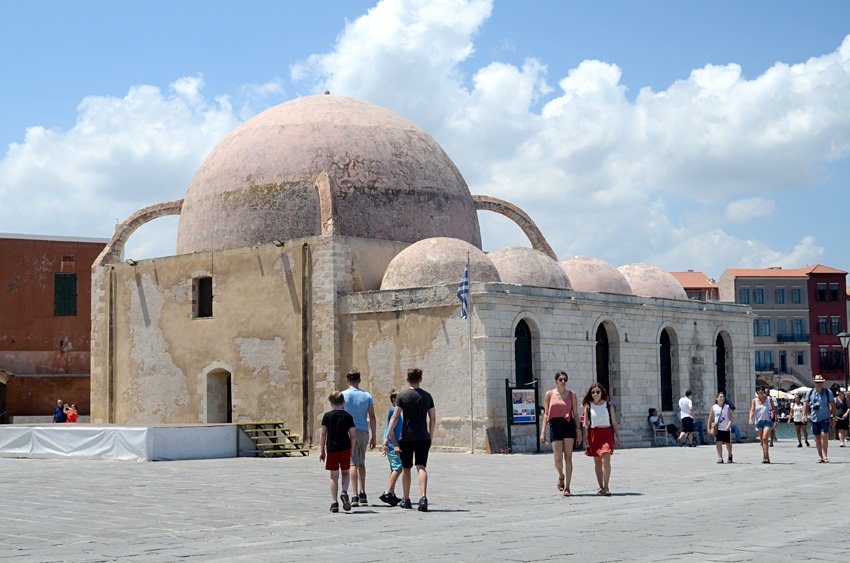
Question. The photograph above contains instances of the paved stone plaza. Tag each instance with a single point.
(668, 504)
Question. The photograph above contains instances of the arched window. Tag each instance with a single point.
(721, 364)
(666, 372)
(603, 355)
(522, 354)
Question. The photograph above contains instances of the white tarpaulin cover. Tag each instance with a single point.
(125, 443)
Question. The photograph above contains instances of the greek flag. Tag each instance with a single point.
(463, 291)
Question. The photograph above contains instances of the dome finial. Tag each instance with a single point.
(327, 92)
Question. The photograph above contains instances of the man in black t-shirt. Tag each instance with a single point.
(413, 405)
(338, 435)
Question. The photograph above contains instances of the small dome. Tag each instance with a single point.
(325, 163)
(436, 261)
(651, 281)
(526, 266)
(592, 274)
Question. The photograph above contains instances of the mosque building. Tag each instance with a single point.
(328, 233)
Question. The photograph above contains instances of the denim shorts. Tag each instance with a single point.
(822, 426)
(762, 424)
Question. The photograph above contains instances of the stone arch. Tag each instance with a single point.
(533, 324)
(215, 388)
(112, 253)
(669, 386)
(518, 216)
(606, 358)
(723, 366)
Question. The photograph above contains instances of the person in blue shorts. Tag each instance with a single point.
(389, 495)
(819, 408)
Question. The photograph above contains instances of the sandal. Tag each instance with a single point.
(820, 460)
(825, 460)
(566, 492)
(601, 492)
(607, 493)
(561, 482)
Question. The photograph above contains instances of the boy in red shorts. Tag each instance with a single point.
(339, 437)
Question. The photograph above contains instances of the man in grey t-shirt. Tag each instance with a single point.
(819, 407)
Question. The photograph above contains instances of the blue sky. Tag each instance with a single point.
(683, 134)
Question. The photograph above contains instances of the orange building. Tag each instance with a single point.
(697, 285)
(45, 323)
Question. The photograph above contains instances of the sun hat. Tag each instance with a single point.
(819, 379)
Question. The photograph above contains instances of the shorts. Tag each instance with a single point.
(561, 429)
(687, 424)
(358, 457)
(723, 436)
(395, 461)
(409, 448)
(338, 460)
(762, 424)
(822, 426)
(798, 423)
(842, 424)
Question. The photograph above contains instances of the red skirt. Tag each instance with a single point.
(600, 441)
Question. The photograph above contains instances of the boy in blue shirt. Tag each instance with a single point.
(338, 435)
(389, 495)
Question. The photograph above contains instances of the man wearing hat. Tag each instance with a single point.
(819, 407)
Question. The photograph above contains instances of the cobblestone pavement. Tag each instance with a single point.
(668, 504)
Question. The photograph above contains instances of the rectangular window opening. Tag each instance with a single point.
(203, 297)
(64, 295)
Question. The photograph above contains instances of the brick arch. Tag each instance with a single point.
(112, 253)
(518, 216)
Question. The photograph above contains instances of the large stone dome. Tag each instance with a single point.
(325, 164)
(651, 281)
(525, 266)
(592, 274)
(436, 261)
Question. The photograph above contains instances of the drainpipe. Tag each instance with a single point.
(306, 268)
(110, 352)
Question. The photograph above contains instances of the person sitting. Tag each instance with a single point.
(657, 421)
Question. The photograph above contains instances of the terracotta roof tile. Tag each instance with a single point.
(783, 273)
(693, 279)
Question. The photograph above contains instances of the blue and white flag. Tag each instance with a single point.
(463, 291)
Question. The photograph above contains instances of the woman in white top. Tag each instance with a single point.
(761, 409)
(722, 415)
(797, 418)
(600, 423)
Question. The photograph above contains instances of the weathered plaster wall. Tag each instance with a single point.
(163, 356)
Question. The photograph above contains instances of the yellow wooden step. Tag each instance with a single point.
(259, 423)
(255, 430)
(280, 443)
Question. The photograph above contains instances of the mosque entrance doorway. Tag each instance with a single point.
(2, 403)
(522, 354)
(666, 373)
(219, 397)
(603, 355)
(721, 364)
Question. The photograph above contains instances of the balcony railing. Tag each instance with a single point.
(832, 366)
(792, 338)
(764, 367)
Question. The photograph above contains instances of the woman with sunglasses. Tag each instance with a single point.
(560, 406)
(600, 423)
(721, 414)
(761, 409)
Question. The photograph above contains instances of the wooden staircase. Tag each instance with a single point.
(272, 439)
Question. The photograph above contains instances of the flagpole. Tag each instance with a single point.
(471, 364)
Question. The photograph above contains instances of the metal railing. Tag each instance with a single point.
(765, 367)
(781, 338)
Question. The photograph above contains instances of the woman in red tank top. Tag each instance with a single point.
(564, 429)
(71, 411)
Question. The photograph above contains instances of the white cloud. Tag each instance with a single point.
(121, 155)
(745, 210)
(593, 168)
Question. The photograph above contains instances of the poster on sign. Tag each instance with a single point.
(524, 406)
